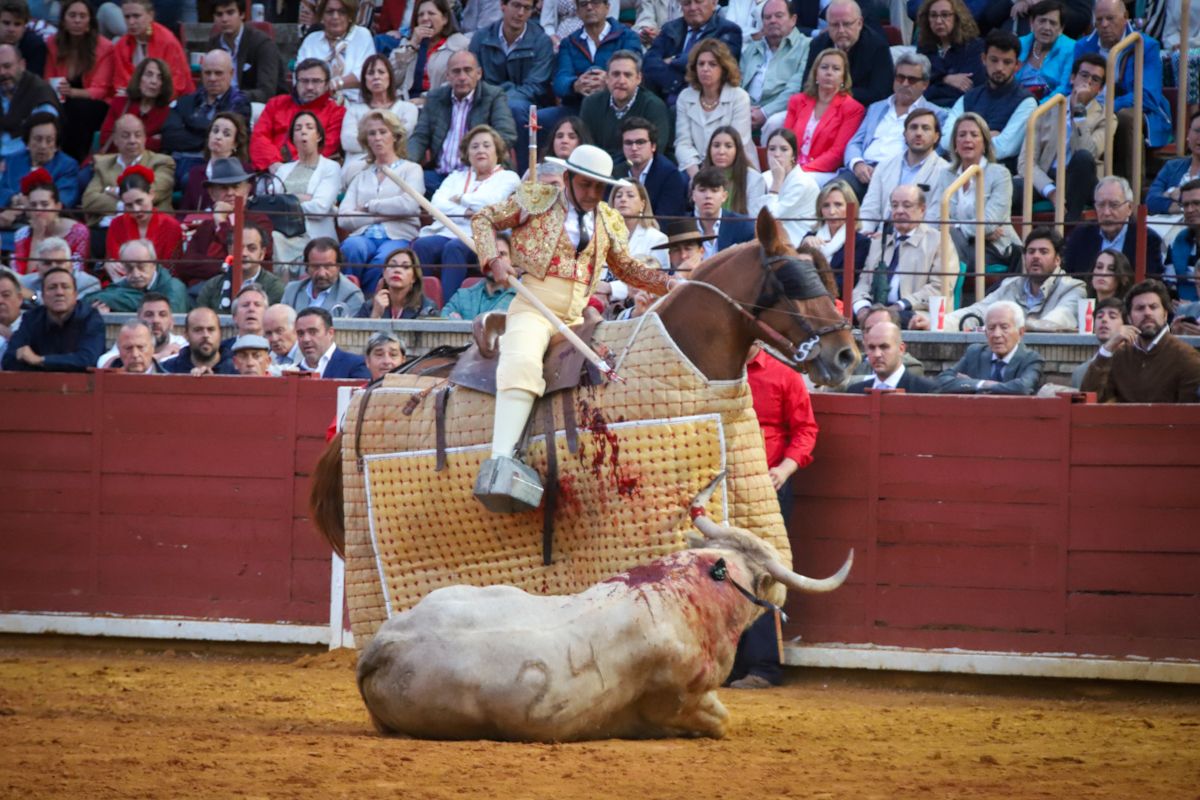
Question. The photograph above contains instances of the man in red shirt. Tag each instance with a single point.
(789, 435)
(311, 93)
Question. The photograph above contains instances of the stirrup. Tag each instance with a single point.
(506, 486)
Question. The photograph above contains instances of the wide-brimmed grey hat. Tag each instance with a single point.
(227, 171)
(591, 162)
(250, 341)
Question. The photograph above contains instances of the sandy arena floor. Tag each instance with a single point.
(100, 723)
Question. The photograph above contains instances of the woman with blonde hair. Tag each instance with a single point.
(971, 144)
(381, 217)
(830, 235)
(824, 116)
(712, 98)
(378, 88)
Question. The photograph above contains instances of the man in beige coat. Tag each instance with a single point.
(905, 265)
(1085, 142)
(101, 195)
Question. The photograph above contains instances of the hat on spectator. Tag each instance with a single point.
(250, 341)
(227, 171)
(682, 231)
(591, 162)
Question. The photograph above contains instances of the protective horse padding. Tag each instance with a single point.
(430, 535)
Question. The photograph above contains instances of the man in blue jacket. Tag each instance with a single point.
(185, 133)
(62, 335)
(666, 60)
(1111, 26)
(518, 58)
(315, 336)
(583, 56)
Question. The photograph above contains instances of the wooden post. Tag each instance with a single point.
(949, 254)
(235, 266)
(1110, 118)
(1059, 102)
(1181, 102)
(1139, 263)
(851, 223)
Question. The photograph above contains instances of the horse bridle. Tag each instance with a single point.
(769, 292)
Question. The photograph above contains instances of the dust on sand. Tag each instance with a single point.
(100, 723)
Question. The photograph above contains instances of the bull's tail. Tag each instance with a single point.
(325, 496)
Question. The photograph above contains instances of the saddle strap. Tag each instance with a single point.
(362, 414)
(550, 498)
(439, 416)
(570, 426)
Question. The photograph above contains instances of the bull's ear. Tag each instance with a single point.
(763, 584)
(767, 231)
(695, 540)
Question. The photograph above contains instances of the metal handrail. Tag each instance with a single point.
(1058, 101)
(1110, 119)
(1181, 103)
(949, 254)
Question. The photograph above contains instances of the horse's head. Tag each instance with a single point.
(796, 305)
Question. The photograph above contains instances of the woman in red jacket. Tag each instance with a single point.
(140, 220)
(824, 116)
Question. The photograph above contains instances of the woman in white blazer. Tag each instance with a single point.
(712, 98)
(381, 217)
(314, 180)
(341, 44)
(791, 192)
(483, 182)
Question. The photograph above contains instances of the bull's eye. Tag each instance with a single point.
(719, 571)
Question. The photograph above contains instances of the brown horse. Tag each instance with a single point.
(761, 290)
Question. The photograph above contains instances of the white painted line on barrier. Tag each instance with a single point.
(975, 662)
(164, 628)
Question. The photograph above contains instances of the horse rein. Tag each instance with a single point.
(806, 350)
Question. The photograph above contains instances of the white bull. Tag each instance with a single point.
(637, 656)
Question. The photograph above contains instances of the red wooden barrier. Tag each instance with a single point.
(162, 496)
(1003, 524)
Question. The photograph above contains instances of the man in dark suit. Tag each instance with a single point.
(663, 181)
(1002, 366)
(315, 336)
(258, 68)
(710, 189)
(666, 60)
(1115, 230)
(486, 105)
(885, 352)
(865, 46)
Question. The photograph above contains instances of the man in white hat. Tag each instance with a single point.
(562, 239)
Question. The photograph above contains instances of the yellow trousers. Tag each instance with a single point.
(527, 332)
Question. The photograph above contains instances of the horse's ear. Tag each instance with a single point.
(767, 231)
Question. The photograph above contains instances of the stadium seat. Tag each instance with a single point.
(469, 282)
(894, 37)
(433, 289)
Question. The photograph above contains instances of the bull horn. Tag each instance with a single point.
(801, 583)
(707, 492)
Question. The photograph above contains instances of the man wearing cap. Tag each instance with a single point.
(212, 235)
(562, 240)
(252, 355)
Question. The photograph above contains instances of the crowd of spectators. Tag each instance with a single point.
(124, 157)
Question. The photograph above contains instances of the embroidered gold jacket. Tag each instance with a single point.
(537, 213)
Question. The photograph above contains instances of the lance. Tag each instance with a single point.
(593, 358)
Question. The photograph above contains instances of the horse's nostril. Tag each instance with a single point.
(845, 358)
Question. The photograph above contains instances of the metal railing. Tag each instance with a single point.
(949, 253)
(1059, 102)
(1110, 119)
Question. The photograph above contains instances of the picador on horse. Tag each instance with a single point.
(561, 239)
